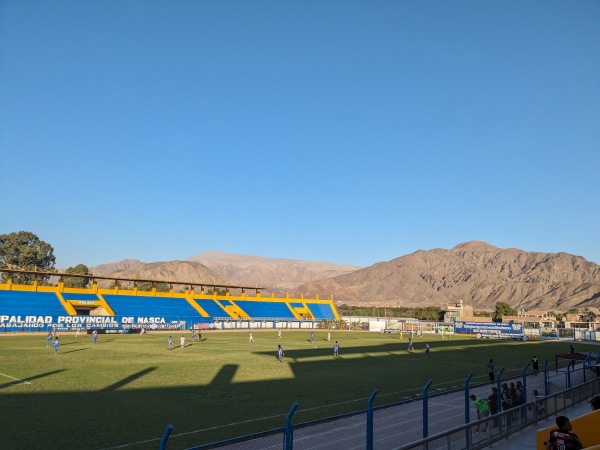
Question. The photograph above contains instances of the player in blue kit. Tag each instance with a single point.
(56, 343)
(49, 339)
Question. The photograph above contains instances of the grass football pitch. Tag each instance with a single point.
(125, 389)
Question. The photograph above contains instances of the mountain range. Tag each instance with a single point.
(475, 272)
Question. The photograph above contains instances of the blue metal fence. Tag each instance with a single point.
(504, 422)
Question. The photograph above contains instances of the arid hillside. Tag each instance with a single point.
(475, 272)
(183, 271)
(273, 274)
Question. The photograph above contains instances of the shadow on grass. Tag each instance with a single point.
(125, 381)
(207, 411)
(73, 351)
(30, 379)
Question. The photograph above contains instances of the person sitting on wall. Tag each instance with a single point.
(562, 438)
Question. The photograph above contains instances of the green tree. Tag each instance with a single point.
(77, 282)
(433, 313)
(147, 286)
(25, 251)
(504, 309)
(220, 292)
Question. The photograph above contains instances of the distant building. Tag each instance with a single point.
(588, 319)
(533, 319)
(459, 311)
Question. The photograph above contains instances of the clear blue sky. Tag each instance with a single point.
(352, 132)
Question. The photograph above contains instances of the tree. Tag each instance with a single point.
(77, 282)
(147, 286)
(504, 309)
(220, 292)
(25, 251)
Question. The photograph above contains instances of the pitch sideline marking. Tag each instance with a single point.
(16, 379)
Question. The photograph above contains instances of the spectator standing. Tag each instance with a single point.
(506, 401)
(490, 367)
(493, 402)
(536, 365)
(483, 410)
(514, 400)
(519, 393)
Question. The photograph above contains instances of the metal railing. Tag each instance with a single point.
(500, 426)
(457, 434)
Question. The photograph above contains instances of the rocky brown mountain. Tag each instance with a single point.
(273, 274)
(475, 272)
(184, 271)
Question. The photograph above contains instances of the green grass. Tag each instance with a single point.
(127, 388)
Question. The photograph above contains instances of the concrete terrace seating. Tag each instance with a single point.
(320, 311)
(275, 310)
(21, 303)
(171, 308)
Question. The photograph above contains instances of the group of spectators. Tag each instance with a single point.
(511, 396)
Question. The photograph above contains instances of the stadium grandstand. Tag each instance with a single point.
(43, 306)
